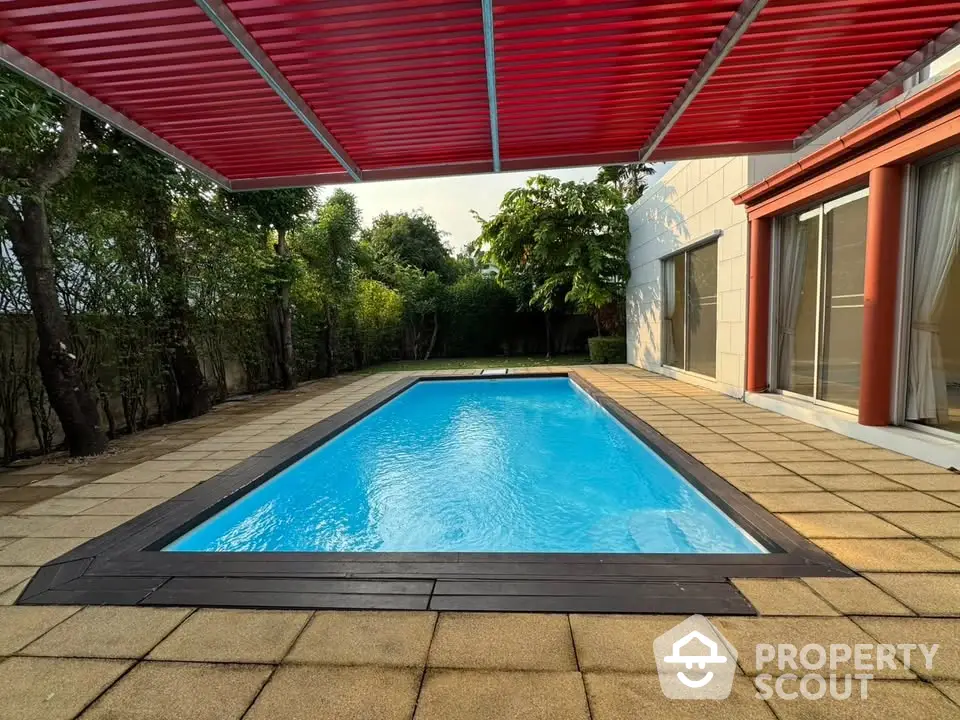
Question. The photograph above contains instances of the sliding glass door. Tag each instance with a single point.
(821, 257)
(690, 310)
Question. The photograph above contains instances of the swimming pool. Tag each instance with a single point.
(503, 465)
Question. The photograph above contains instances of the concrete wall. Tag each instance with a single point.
(691, 201)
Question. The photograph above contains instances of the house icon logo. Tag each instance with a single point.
(694, 661)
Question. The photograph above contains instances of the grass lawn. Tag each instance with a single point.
(482, 362)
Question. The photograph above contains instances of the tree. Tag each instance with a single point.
(40, 142)
(282, 211)
(149, 188)
(629, 180)
(409, 239)
(328, 246)
(556, 242)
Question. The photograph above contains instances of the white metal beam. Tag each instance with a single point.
(491, 62)
(912, 65)
(20, 63)
(242, 40)
(725, 42)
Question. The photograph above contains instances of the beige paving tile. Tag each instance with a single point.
(952, 546)
(11, 595)
(502, 696)
(829, 467)
(950, 688)
(313, 692)
(100, 490)
(232, 636)
(742, 456)
(108, 632)
(732, 470)
(14, 526)
(502, 641)
(81, 526)
(924, 593)
(851, 483)
(11, 576)
(61, 506)
(794, 456)
(782, 597)
(37, 551)
(21, 625)
(869, 453)
(618, 642)
(927, 524)
(366, 638)
(181, 691)
(803, 502)
(952, 497)
(841, 525)
(856, 596)
(124, 507)
(772, 483)
(891, 555)
(902, 467)
(615, 696)
(938, 482)
(746, 633)
(53, 688)
(163, 490)
(885, 699)
(940, 631)
(907, 500)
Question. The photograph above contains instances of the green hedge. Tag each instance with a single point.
(608, 349)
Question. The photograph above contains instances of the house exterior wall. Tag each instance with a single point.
(691, 201)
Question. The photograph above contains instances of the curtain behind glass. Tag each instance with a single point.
(669, 308)
(938, 239)
(793, 253)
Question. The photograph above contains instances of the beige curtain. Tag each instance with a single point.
(793, 253)
(938, 239)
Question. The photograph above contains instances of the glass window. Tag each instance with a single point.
(933, 377)
(841, 332)
(702, 315)
(822, 254)
(690, 310)
(797, 303)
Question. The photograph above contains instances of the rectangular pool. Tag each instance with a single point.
(481, 465)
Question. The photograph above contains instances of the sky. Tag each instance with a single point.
(450, 199)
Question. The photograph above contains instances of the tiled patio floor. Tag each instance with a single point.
(894, 520)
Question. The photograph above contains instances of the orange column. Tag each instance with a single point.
(880, 294)
(758, 321)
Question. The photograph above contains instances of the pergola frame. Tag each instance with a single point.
(548, 102)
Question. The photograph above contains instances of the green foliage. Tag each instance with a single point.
(406, 239)
(629, 180)
(557, 242)
(607, 350)
(281, 210)
(480, 314)
(379, 318)
(30, 123)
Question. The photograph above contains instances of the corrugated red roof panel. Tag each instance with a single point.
(402, 85)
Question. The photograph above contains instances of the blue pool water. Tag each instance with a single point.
(506, 465)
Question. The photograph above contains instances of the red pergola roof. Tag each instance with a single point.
(266, 93)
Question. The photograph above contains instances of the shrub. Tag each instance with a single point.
(480, 317)
(608, 349)
(379, 322)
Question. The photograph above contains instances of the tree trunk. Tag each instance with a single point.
(333, 340)
(188, 394)
(433, 336)
(546, 318)
(596, 319)
(71, 400)
(288, 373)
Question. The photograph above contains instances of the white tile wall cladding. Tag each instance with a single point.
(692, 200)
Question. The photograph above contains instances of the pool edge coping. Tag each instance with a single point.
(126, 567)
